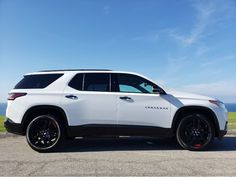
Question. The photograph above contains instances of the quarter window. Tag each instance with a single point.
(37, 81)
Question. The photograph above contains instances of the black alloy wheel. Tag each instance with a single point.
(195, 132)
(43, 133)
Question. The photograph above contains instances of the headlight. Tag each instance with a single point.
(218, 103)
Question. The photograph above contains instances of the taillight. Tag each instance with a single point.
(13, 96)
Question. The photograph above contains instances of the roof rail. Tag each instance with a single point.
(74, 70)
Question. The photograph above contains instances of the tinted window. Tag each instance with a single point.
(128, 88)
(37, 81)
(77, 82)
(97, 82)
(134, 84)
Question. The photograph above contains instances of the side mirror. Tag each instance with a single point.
(157, 90)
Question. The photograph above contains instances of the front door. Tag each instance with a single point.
(138, 105)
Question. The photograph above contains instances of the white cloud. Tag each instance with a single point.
(208, 14)
(219, 60)
(201, 50)
(174, 64)
(161, 82)
(223, 90)
(3, 96)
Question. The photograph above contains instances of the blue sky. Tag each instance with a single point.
(185, 45)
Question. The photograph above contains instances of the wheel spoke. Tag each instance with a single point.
(193, 141)
(43, 133)
(196, 132)
(196, 122)
(202, 139)
(189, 138)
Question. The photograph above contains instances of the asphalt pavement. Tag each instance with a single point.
(117, 157)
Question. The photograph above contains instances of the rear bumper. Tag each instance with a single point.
(13, 127)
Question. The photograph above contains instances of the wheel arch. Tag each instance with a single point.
(34, 111)
(190, 109)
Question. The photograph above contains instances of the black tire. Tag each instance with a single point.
(195, 132)
(44, 133)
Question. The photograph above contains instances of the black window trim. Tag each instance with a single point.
(114, 83)
(109, 82)
(113, 87)
(83, 82)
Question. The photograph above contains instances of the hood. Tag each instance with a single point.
(185, 95)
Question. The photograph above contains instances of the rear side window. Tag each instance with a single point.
(77, 82)
(97, 82)
(37, 81)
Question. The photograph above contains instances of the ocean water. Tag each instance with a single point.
(3, 107)
(231, 107)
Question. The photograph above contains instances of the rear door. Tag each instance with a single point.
(89, 101)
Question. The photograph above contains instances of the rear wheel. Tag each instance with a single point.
(195, 132)
(44, 133)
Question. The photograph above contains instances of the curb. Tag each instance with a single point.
(231, 133)
(6, 134)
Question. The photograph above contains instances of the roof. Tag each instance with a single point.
(75, 70)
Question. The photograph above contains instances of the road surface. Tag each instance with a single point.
(117, 157)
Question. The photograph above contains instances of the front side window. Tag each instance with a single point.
(97, 82)
(134, 84)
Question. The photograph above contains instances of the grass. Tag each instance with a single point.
(231, 125)
(2, 129)
(232, 121)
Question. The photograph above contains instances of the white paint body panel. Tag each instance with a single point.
(90, 107)
(144, 109)
(182, 99)
(107, 107)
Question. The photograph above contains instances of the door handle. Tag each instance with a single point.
(73, 97)
(126, 98)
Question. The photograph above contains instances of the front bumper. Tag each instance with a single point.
(222, 133)
(13, 127)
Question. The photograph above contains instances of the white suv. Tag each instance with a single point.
(48, 106)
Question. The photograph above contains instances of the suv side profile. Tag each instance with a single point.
(50, 106)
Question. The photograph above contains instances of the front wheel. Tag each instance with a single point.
(195, 132)
(44, 133)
